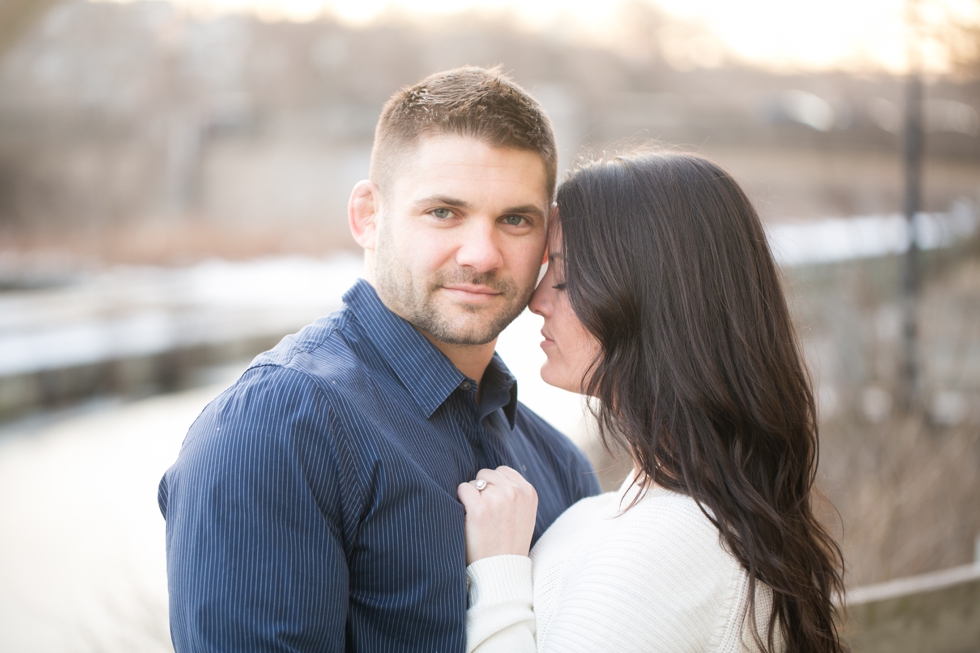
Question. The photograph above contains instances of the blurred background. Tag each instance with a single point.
(173, 188)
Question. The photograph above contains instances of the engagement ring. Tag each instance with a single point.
(480, 484)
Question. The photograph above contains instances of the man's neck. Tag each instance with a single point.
(471, 360)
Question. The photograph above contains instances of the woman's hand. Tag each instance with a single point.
(500, 518)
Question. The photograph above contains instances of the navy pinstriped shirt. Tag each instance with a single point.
(313, 504)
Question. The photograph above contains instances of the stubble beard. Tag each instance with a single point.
(418, 302)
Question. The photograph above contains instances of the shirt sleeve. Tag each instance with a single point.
(255, 556)
(500, 618)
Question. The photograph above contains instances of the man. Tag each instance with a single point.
(313, 505)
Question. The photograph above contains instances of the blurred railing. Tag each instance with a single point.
(144, 330)
(932, 613)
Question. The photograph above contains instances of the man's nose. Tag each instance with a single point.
(480, 249)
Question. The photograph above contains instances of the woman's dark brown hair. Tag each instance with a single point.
(700, 374)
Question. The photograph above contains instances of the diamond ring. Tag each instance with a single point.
(480, 484)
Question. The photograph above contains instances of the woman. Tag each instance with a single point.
(662, 301)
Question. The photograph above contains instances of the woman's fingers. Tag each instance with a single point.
(493, 476)
(504, 478)
(510, 474)
(500, 518)
(509, 484)
(515, 478)
(468, 495)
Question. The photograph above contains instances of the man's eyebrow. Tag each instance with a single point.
(444, 200)
(526, 209)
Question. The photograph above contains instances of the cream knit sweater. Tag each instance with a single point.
(655, 577)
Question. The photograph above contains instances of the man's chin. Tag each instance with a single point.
(466, 336)
(471, 329)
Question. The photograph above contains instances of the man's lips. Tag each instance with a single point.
(472, 293)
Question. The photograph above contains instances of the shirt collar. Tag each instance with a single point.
(425, 371)
(499, 390)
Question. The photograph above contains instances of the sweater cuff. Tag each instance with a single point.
(499, 579)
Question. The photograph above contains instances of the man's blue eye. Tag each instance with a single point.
(442, 214)
(515, 220)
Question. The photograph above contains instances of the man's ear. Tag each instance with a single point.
(363, 211)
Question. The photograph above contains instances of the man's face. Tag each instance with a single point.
(461, 238)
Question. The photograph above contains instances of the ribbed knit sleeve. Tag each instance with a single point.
(500, 618)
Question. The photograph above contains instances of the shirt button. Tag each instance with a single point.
(466, 385)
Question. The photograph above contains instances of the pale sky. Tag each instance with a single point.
(778, 34)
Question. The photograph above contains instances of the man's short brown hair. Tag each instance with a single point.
(473, 102)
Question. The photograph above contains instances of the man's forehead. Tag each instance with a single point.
(439, 160)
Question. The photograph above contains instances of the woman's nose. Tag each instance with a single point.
(541, 301)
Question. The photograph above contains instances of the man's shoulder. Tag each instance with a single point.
(284, 401)
(301, 377)
(328, 354)
(323, 339)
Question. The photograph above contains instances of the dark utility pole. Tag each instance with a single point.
(912, 155)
